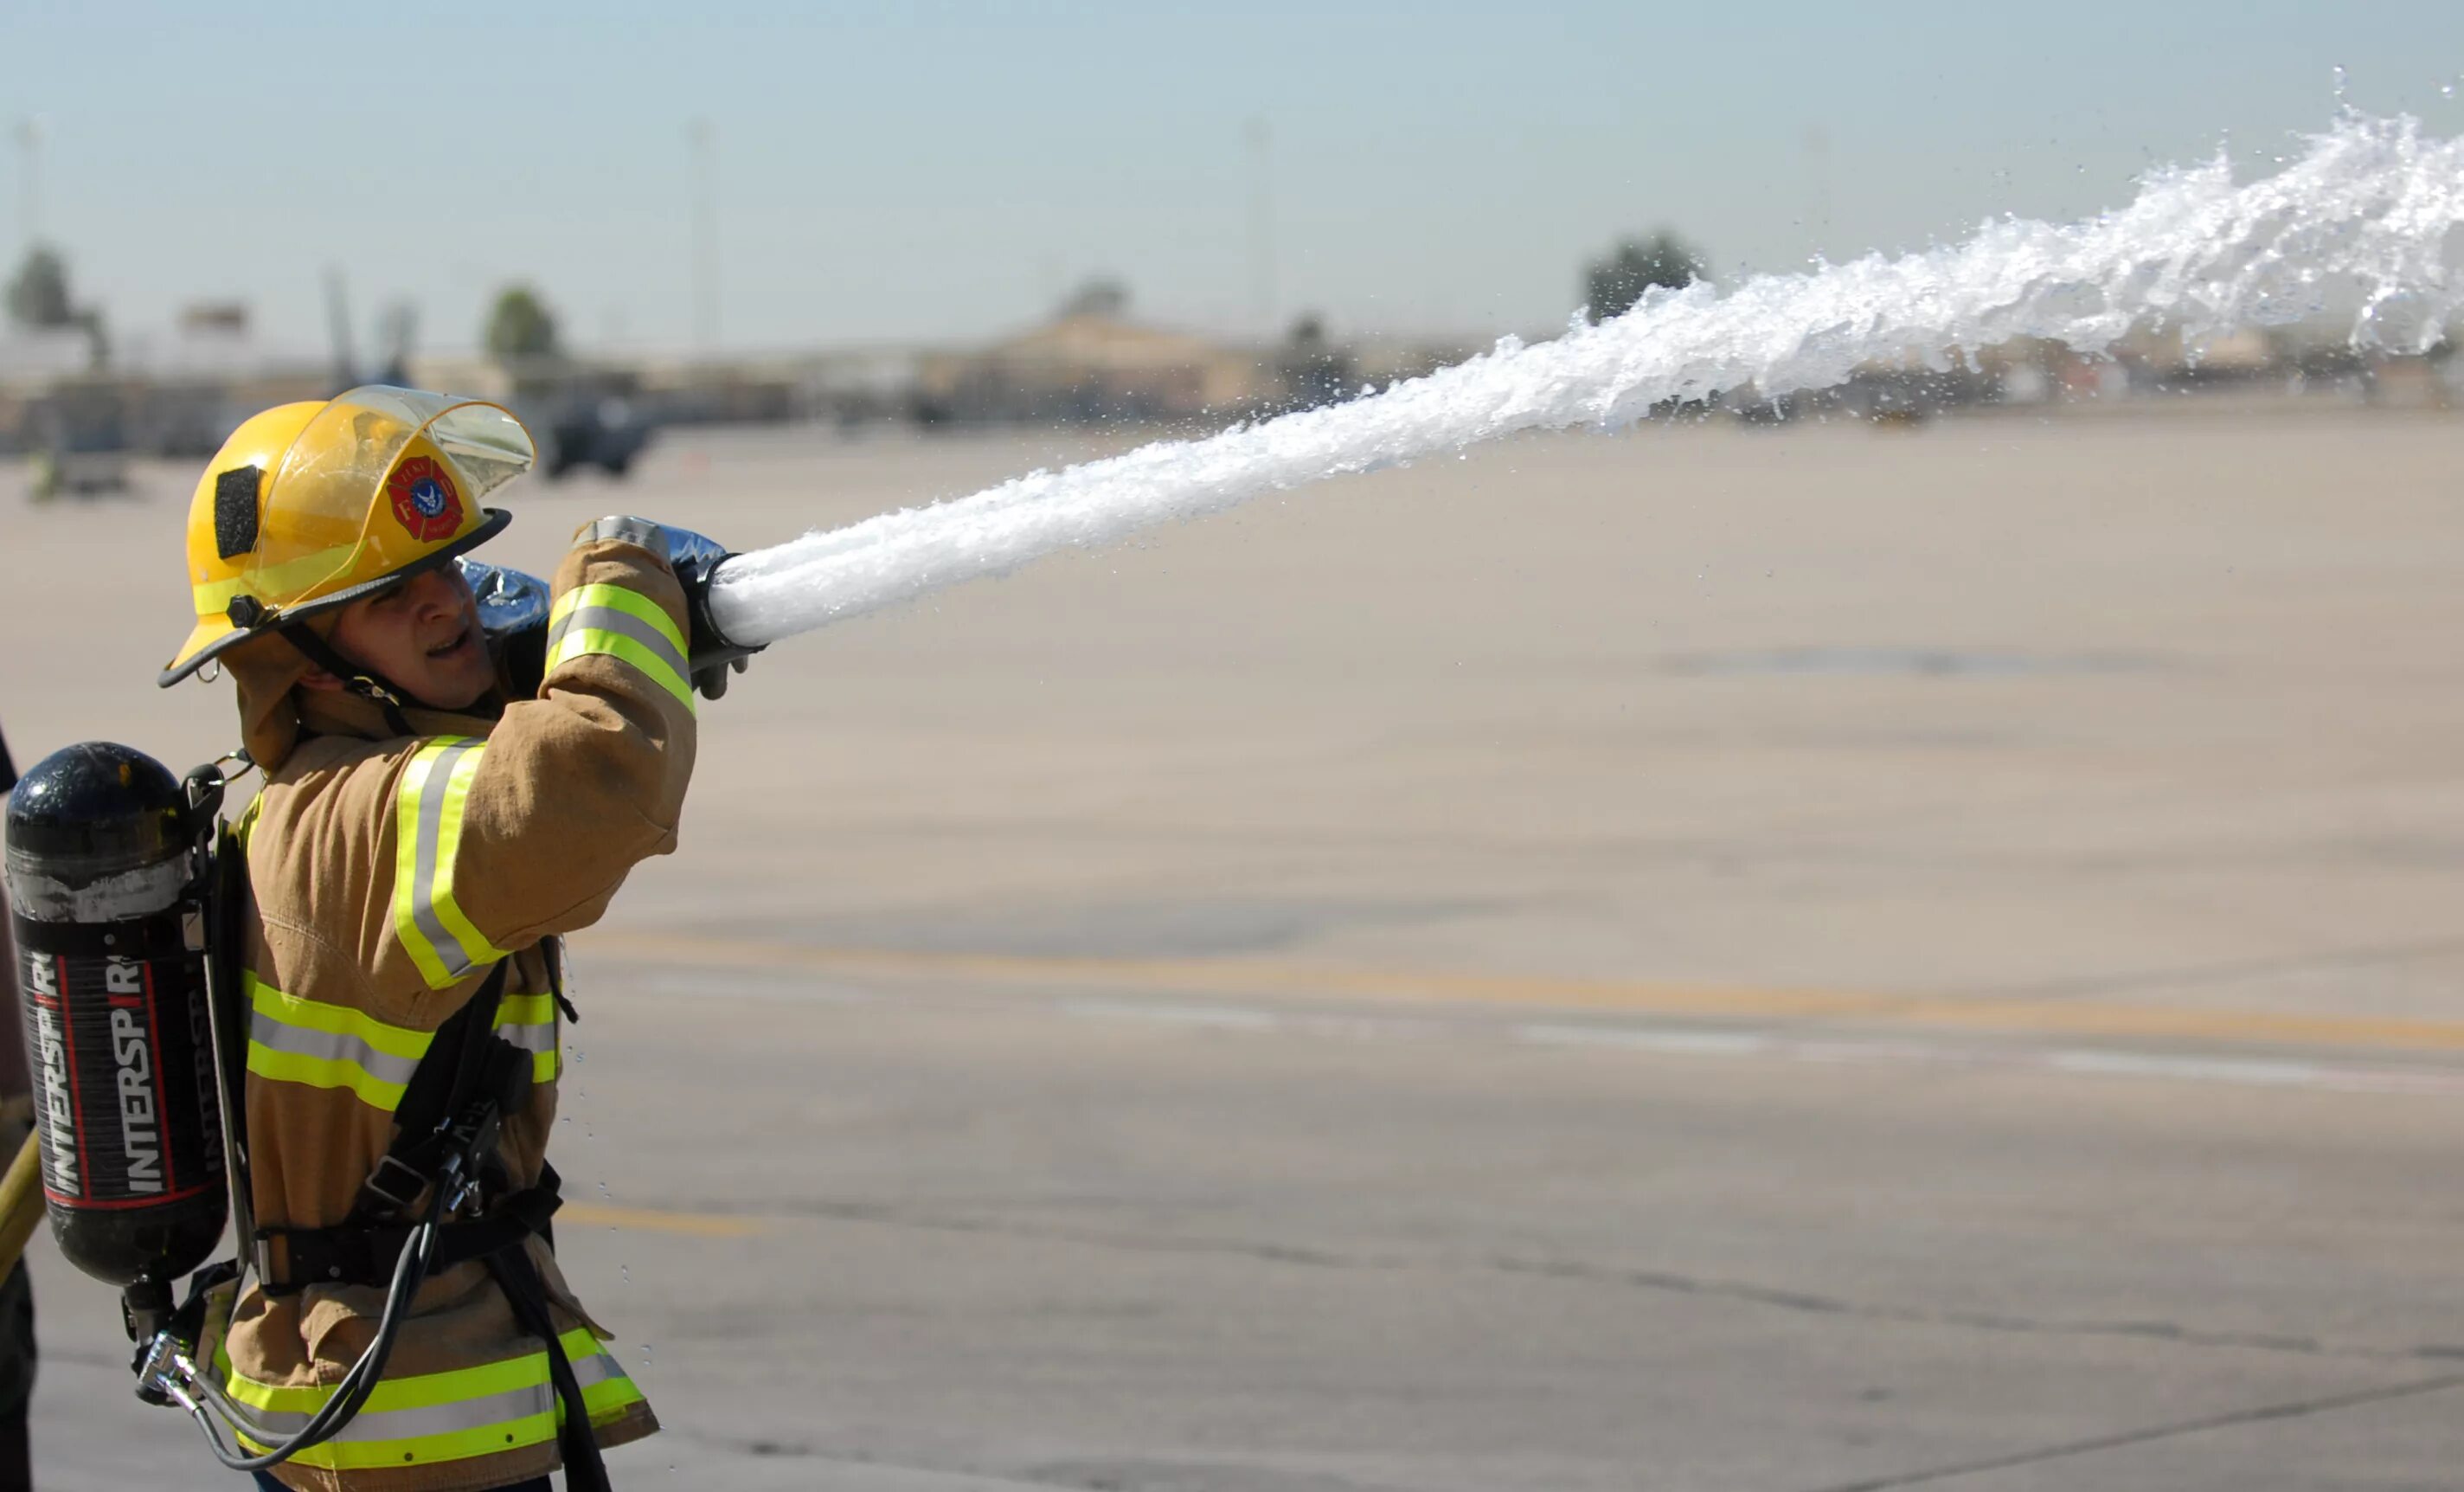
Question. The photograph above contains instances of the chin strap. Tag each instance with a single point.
(358, 678)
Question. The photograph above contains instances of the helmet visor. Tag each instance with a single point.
(381, 479)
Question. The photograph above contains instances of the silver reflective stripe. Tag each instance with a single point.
(599, 1367)
(540, 1037)
(330, 1046)
(432, 832)
(427, 1419)
(607, 619)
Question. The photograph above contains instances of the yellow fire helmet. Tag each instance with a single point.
(310, 506)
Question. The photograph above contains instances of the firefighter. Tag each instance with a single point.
(426, 832)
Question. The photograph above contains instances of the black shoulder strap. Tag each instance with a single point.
(226, 909)
(524, 1290)
(466, 1061)
(448, 1076)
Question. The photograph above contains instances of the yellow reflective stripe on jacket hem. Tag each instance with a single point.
(427, 836)
(341, 1453)
(291, 1039)
(608, 1397)
(451, 1415)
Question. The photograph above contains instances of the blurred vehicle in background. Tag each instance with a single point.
(77, 436)
(581, 415)
(581, 428)
(186, 421)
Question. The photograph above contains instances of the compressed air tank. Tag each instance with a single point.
(110, 982)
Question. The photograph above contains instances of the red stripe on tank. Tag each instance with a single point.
(126, 1203)
(76, 1096)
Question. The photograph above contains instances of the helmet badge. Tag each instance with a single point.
(424, 500)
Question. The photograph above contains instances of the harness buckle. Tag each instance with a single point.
(375, 1185)
(271, 1257)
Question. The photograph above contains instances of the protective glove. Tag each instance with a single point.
(695, 558)
(513, 614)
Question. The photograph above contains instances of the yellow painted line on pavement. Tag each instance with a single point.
(1265, 976)
(638, 1219)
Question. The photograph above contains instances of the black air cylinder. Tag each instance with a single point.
(113, 998)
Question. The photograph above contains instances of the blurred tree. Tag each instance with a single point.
(38, 297)
(520, 326)
(1612, 285)
(39, 301)
(1103, 296)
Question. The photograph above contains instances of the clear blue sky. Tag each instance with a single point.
(924, 170)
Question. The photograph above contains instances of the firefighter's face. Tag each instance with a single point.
(424, 635)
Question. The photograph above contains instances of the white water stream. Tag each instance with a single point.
(2368, 218)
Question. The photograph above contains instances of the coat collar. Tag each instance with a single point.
(275, 713)
(325, 713)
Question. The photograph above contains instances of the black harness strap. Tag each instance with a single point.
(468, 1080)
(364, 1254)
(527, 1293)
(448, 1077)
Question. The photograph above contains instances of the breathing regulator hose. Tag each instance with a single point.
(350, 1395)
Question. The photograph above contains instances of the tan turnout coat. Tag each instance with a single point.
(389, 874)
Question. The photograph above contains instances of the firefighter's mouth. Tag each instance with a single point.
(455, 644)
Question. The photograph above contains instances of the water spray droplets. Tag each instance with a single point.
(2361, 218)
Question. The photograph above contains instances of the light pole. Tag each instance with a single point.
(1817, 170)
(29, 141)
(1261, 225)
(700, 137)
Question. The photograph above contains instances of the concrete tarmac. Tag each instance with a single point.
(1789, 961)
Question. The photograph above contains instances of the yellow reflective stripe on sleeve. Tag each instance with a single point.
(529, 1021)
(617, 622)
(588, 642)
(291, 1040)
(618, 598)
(246, 825)
(443, 1417)
(427, 836)
(526, 1010)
